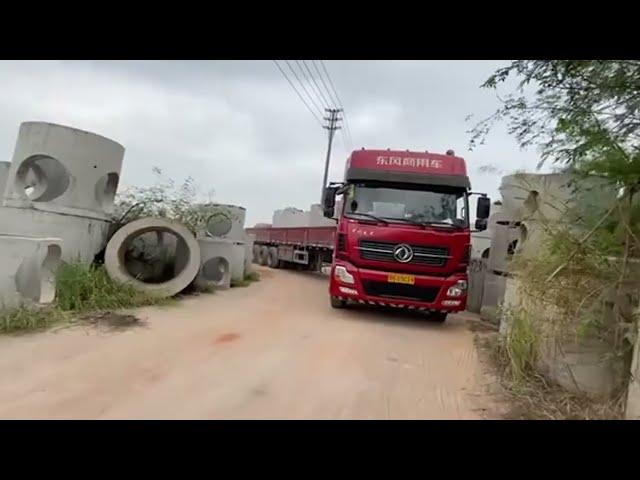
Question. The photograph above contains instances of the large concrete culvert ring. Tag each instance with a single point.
(115, 259)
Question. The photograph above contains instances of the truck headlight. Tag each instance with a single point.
(345, 277)
(458, 290)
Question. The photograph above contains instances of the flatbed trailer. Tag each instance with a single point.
(309, 247)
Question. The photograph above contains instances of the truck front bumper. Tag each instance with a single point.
(373, 287)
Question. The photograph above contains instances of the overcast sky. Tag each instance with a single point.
(238, 127)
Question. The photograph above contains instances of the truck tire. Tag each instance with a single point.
(256, 254)
(264, 255)
(438, 317)
(272, 258)
(338, 303)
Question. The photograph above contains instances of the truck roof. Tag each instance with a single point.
(407, 167)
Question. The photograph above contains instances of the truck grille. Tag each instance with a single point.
(422, 255)
(400, 291)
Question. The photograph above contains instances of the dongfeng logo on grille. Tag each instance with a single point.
(403, 253)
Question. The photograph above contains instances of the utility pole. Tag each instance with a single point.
(332, 126)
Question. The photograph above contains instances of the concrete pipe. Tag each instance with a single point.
(82, 237)
(226, 221)
(238, 261)
(28, 269)
(217, 261)
(187, 255)
(64, 170)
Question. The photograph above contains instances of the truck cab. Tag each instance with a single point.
(403, 235)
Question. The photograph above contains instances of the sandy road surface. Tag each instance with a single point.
(273, 350)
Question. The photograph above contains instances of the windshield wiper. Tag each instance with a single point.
(373, 217)
(435, 222)
(406, 220)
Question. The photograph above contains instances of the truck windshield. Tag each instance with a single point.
(408, 205)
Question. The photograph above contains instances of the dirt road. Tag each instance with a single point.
(273, 350)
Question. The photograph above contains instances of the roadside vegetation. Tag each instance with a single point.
(584, 118)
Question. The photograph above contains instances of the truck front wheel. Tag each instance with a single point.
(438, 317)
(338, 303)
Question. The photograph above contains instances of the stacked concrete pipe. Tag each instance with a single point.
(226, 246)
(61, 183)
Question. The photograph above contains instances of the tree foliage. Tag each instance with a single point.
(584, 114)
(167, 199)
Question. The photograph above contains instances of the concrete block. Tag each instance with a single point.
(64, 170)
(582, 365)
(82, 237)
(187, 258)
(4, 174)
(510, 302)
(549, 196)
(290, 217)
(28, 269)
(492, 296)
(317, 218)
(504, 242)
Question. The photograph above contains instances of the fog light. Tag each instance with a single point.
(349, 291)
(345, 277)
(458, 290)
(451, 303)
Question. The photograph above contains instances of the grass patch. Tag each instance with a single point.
(30, 318)
(246, 281)
(520, 346)
(88, 288)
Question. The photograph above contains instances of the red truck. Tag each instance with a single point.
(402, 237)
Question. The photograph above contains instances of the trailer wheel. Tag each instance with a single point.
(256, 254)
(272, 258)
(338, 302)
(264, 255)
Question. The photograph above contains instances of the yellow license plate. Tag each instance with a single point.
(400, 278)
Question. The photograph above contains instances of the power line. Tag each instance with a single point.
(339, 102)
(298, 93)
(328, 104)
(303, 87)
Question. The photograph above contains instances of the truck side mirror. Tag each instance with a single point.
(483, 208)
(329, 201)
